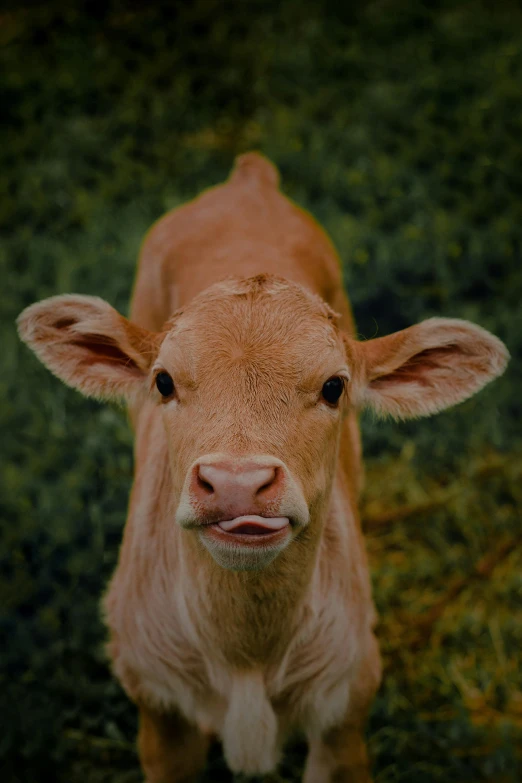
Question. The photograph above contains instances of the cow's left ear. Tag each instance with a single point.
(428, 367)
(89, 345)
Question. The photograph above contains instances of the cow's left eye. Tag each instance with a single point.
(332, 390)
(165, 384)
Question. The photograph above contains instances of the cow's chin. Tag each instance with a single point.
(248, 543)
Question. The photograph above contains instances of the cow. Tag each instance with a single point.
(241, 607)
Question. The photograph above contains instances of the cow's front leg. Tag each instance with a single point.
(171, 750)
(338, 756)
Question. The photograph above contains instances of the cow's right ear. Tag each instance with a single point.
(89, 345)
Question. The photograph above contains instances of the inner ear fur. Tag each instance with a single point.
(427, 367)
(89, 345)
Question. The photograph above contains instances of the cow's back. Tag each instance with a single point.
(243, 227)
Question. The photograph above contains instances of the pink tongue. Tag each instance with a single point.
(253, 523)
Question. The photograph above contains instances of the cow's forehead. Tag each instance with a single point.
(273, 327)
(251, 305)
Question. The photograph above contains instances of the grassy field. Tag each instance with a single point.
(400, 129)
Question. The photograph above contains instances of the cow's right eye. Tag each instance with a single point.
(165, 384)
(332, 390)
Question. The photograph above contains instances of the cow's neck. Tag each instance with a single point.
(251, 614)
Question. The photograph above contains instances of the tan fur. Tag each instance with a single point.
(239, 298)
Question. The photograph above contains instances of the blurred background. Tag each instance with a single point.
(399, 125)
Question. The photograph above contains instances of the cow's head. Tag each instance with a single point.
(252, 379)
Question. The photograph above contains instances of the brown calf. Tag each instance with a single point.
(241, 604)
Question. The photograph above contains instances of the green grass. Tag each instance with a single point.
(399, 128)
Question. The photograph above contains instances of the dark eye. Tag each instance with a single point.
(165, 384)
(332, 390)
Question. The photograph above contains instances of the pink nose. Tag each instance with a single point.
(236, 487)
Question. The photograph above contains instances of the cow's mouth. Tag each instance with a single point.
(246, 543)
(250, 529)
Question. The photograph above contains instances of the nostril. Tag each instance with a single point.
(206, 486)
(269, 483)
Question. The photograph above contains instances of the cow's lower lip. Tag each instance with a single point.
(250, 530)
